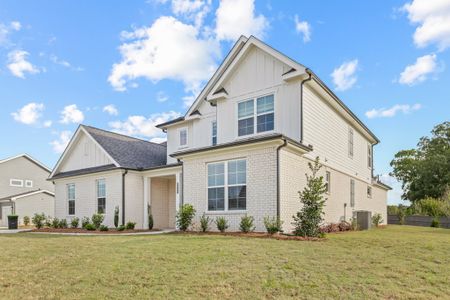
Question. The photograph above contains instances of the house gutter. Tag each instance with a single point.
(123, 196)
(278, 176)
(301, 102)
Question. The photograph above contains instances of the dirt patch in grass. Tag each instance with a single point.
(261, 235)
(81, 230)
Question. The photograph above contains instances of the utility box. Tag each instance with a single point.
(364, 219)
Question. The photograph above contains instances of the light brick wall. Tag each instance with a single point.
(261, 184)
(86, 197)
(293, 179)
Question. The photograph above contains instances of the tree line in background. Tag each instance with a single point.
(425, 175)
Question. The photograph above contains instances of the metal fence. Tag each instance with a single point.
(444, 222)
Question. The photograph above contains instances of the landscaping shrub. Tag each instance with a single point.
(38, 220)
(121, 228)
(26, 220)
(48, 221)
(74, 222)
(185, 216)
(307, 221)
(116, 216)
(246, 224)
(377, 219)
(63, 223)
(130, 225)
(90, 227)
(222, 224)
(401, 214)
(435, 222)
(354, 224)
(97, 220)
(55, 223)
(204, 222)
(84, 222)
(273, 225)
(104, 228)
(345, 226)
(150, 221)
(335, 227)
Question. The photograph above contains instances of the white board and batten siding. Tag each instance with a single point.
(85, 153)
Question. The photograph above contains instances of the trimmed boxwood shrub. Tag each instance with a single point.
(273, 225)
(55, 223)
(104, 228)
(222, 224)
(74, 222)
(97, 220)
(121, 228)
(38, 220)
(63, 223)
(84, 222)
(246, 224)
(130, 225)
(90, 227)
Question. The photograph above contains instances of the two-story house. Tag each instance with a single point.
(242, 148)
(24, 189)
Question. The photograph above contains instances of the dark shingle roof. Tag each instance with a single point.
(129, 152)
(84, 171)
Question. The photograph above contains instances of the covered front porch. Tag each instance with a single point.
(162, 196)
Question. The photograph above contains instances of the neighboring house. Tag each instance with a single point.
(24, 189)
(242, 148)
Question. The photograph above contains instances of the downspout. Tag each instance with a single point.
(181, 185)
(301, 102)
(123, 196)
(278, 176)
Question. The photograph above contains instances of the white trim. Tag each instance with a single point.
(29, 157)
(96, 194)
(15, 185)
(255, 98)
(33, 193)
(72, 141)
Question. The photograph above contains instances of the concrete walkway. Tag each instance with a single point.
(107, 234)
(8, 231)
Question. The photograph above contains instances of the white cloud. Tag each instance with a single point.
(391, 112)
(162, 97)
(143, 127)
(48, 123)
(18, 64)
(195, 10)
(29, 114)
(237, 17)
(344, 76)
(304, 28)
(56, 60)
(158, 140)
(71, 114)
(60, 144)
(168, 49)
(5, 31)
(111, 109)
(433, 19)
(418, 72)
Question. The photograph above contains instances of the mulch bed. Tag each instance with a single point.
(80, 230)
(261, 235)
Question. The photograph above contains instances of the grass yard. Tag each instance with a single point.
(395, 262)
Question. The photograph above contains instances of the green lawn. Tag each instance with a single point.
(395, 262)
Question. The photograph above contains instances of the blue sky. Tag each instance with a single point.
(128, 65)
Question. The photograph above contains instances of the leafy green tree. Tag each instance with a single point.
(309, 218)
(425, 171)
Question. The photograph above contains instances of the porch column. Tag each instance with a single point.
(147, 191)
(178, 191)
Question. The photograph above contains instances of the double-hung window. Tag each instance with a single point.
(214, 132)
(71, 198)
(369, 192)
(369, 156)
(352, 193)
(183, 132)
(327, 181)
(256, 118)
(350, 142)
(101, 196)
(227, 185)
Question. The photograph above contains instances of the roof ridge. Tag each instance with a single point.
(123, 135)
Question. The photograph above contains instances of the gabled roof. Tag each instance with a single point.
(26, 194)
(24, 155)
(124, 151)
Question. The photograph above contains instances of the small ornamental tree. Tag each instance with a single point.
(116, 216)
(307, 221)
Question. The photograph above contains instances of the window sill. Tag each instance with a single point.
(226, 212)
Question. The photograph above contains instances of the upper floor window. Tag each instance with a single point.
(352, 193)
(214, 133)
(260, 116)
(227, 181)
(71, 198)
(350, 142)
(328, 181)
(369, 156)
(29, 183)
(183, 132)
(101, 196)
(16, 182)
(369, 191)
